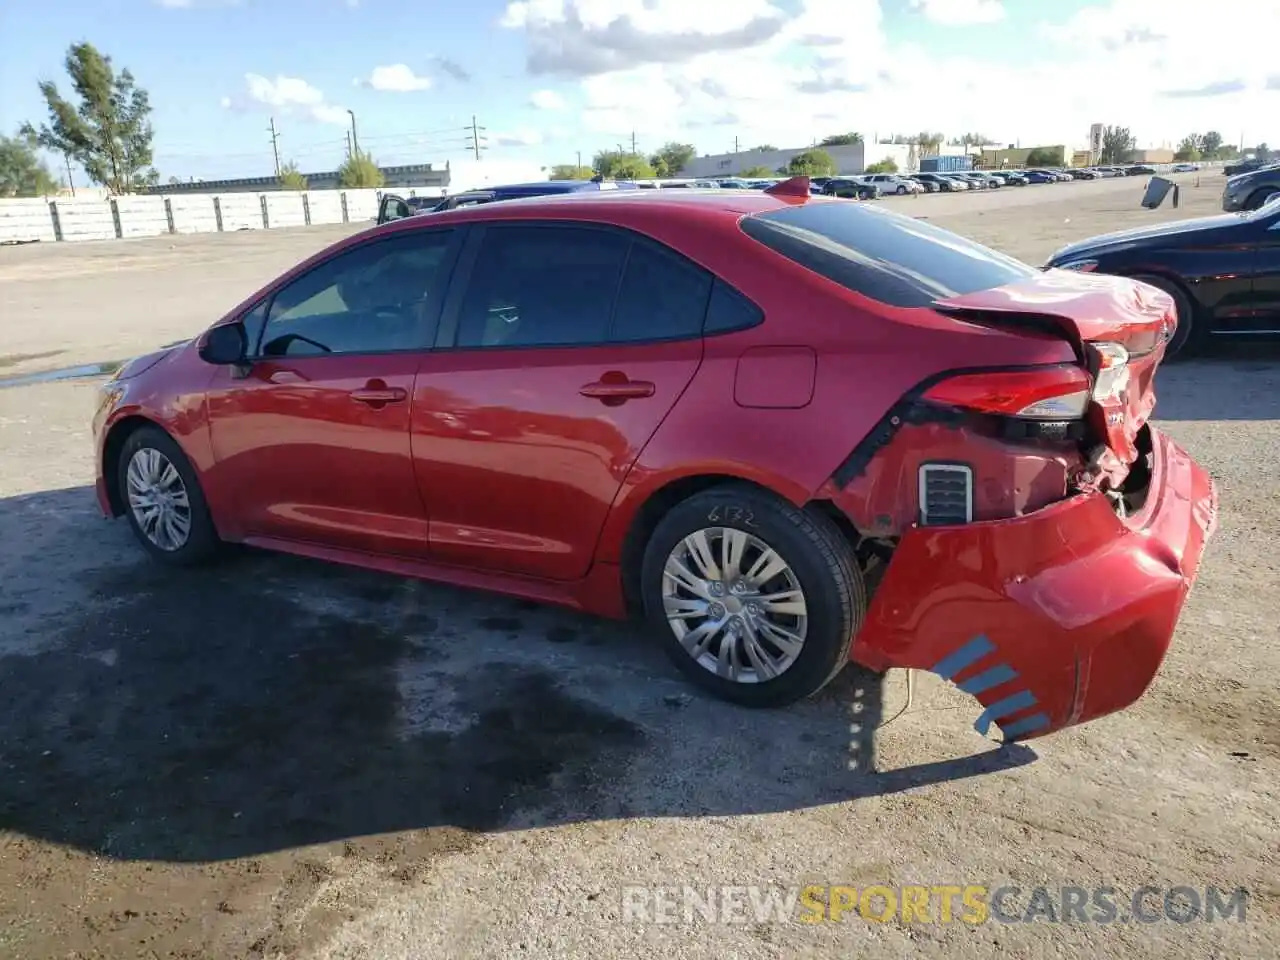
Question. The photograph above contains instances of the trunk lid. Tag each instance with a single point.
(1119, 328)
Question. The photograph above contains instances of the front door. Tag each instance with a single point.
(568, 345)
(1266, 272)
(312, 443)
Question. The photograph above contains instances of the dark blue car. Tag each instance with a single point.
(393, 207)
(1037, 176)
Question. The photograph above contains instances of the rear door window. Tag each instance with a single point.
(888, 257)
(663, 296)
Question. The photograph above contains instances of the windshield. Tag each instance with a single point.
(895, 259)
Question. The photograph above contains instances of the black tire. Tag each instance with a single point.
(817, 553)
(1260, 197)
(202, 540)
(1189, 337)
(901, 189)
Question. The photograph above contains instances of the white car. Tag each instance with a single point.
(892, 183)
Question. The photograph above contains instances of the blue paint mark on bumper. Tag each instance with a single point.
(993, 676)
(1003, 708)
(1000, 673)
(966, 656)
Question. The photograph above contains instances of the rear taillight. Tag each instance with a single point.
(1045, 393)
(1111, 370)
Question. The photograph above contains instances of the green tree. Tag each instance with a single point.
(571, 171)
(290, 178)
(812, 163)
(615, 165)
(842, 139)
(107, 131)
(1045, 157)
(1262, 152)
(764, 148)
(359, 171)
(1190, 148)
(22, 172)
(887, 165)
(1211, 145)
(1117, 145)
(756, 172)
(671, 158)
(974, 139)
(928, 143)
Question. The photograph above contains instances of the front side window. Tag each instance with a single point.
(378, 297)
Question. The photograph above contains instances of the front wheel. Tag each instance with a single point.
(754, 600)
(901, 190)
(163, 500)
(1188, 337)
(1260, 198)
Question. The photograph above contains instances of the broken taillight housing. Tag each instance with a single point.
(1053, 393)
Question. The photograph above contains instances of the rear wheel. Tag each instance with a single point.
(163, 500)
(1189, 335)
(754, 600)
(902, 189)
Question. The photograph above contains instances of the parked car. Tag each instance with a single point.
(851, 188)
(944, 183)
(1186, 167)
(930, 186)
(1222, 272)
(395, 207)
(892, 183)
(1080, 173)
(1140, 170)
(1040, 176)
(960, 182)
(1249, 191)
(1244, 166)
(1012, 178)
(515, 396)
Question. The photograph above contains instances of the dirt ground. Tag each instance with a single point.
(279, 759)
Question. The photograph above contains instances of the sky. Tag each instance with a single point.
(552, 80)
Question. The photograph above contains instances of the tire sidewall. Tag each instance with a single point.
(203, 539)
(831, 623)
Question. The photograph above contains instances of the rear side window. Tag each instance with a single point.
(663, 296)
(729, 310)
(897, 260)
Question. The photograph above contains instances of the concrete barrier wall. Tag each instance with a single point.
(84, 220)
(285, 210)
(325, 206)
(140, 216)
(191, 214)
(26, 220)
(361, 205)
(239, 211)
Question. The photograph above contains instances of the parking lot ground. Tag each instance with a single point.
(276, 758)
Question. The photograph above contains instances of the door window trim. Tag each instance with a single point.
(447, 329)
(456, 234)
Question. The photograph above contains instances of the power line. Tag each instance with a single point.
(476, 143)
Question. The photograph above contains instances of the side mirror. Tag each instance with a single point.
(224, 344)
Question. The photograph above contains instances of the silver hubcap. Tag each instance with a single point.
(734, 604)
(158, 499)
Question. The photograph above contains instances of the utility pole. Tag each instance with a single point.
(633, 142)
(475, 136)
(579, 159)
(275, 148)
(735, 144)
(355, 140)
(348, 144)
(70, 182)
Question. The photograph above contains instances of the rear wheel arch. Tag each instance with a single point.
(1260, 196)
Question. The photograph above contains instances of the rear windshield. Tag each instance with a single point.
(897, 260)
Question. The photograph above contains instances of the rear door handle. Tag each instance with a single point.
(379, 396)
(618, 391)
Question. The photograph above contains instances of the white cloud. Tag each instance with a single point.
(670, 69)
(293, 95)
(522, 137)
(225, 103)
(547, 100)
(396, 78)
(954, 13)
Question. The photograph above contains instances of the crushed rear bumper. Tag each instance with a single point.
(1053, 618)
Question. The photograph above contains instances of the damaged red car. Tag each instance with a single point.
(790, 431)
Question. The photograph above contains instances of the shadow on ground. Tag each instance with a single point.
(268, 702)
(1230, 380)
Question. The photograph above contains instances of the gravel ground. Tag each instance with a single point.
(275, 758)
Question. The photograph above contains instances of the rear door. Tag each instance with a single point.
(1266, 270)
(562, 349)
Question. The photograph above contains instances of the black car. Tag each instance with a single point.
(1140, 170)
(944, 185)
(1223, 272)
(851, 188)
(1243, 166)
(1249, 191)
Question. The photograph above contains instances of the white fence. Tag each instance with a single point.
(117, 218)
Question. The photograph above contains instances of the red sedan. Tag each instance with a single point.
(790, 431)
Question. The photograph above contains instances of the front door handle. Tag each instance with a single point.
(378, 394)
(614, 392)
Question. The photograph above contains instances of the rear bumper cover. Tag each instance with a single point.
(1054, 618)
